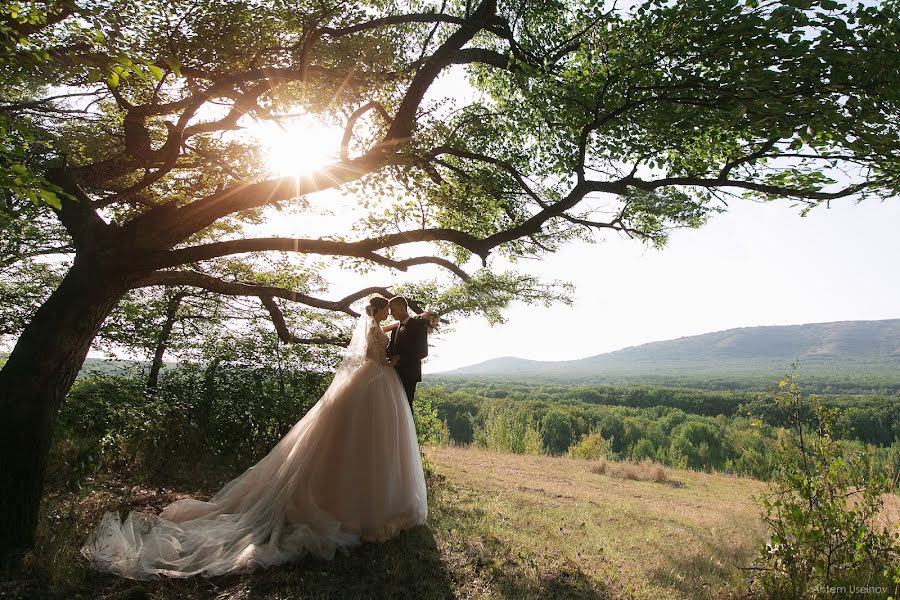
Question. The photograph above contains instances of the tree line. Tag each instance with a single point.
(684, 434)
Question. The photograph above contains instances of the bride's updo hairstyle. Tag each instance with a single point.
(376, 303)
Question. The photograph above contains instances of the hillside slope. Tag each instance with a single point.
(863, 351)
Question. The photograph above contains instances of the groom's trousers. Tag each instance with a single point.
(410, 387)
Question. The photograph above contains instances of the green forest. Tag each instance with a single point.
(733, 432)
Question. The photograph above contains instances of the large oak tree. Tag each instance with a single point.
(590, 118)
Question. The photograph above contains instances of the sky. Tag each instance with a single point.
(757, 264)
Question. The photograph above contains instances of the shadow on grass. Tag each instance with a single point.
(490, 565)
(407, 566)
(483, 565)
(563, 583)
(704, 574)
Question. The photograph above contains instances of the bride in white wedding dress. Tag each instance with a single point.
(347, 472)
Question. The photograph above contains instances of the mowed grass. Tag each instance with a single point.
(499, 526)
(561, 529)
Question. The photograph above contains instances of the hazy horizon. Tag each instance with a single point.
(512, 356)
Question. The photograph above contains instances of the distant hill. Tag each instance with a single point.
(861, 356)
(109, 366)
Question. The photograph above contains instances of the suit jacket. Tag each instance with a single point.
(410, 343)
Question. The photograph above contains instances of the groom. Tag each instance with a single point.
(409, 344)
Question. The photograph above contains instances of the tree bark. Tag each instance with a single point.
(162, 342)
(36, 377)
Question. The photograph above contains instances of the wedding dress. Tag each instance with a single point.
(347, 472)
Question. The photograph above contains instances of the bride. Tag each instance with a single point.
(347, 472)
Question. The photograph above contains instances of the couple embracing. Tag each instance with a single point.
(348, 472)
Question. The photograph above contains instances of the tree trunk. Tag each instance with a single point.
(36, 377)
(162, 342)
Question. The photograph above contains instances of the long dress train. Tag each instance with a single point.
(347, 472)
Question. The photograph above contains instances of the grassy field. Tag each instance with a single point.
(499, 526)
(557, 528)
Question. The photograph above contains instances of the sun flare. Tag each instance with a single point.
(297, 146)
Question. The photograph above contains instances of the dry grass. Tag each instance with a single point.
(499, 526)
(890, 515)
(624, 532)
(646, 470)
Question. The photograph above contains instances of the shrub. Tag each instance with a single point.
(643, 449)
(591, 446)
(556, 431)
(821, 510)
(100, 404)
(506, 429)
(219, 411)
(430, 430)
(532, 441)
(695, 444)
(646, 470)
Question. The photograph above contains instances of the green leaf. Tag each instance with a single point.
(155, 72)
(51, 199)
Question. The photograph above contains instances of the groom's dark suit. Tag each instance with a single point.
(410, 343)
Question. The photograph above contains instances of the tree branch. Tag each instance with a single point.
(237, 288)
(404, 121)
(763, 149)
(509, 168)
(179, 223)
(348, 129)
(285, 335)
(467, 56)
(202, 213)
(773, 190)
(364, 249)
(56, 12)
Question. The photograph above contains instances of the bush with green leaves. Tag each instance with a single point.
(642, 449)
(556, 432)
(696, 444)
(220, 411)
(823, 509)
(507, 428)
(737, 443)
(430, 430)
(592, 446)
